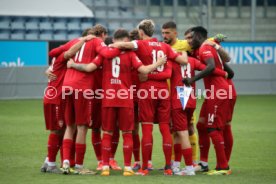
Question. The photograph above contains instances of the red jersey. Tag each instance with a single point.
(117, 77)
(136, 83)
(218, 82)
(52, 95)
(147, 51)
(180, 72)
(90, 49)
(232, 86)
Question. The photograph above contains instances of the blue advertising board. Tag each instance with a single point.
(23, 53)
(251, 52)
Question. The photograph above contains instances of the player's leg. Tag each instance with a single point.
(126, 125)
(216, 122)
(146, 117)
(227, 132)
(114, 145)
(180, 126)
(136, 140)
(193, 138)
(108, 125)
(203, 139)
(96, 132)
(68, 139)
(163, 112)
(82, 108)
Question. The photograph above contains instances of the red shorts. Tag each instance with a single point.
(114, 116)
(180, 118)
(77, 111)
(232, 103)
(53, 115)
(216, 113)
(96, 114)
(152, 110)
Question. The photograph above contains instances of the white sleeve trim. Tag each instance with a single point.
(135, 45)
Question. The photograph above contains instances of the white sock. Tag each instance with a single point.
(128, 168)
(46, 160)
(150, 162)
(99, 161)
(106, 167)
(77, 166)
(111, 158)
(190, 168)
(66, 161)
(51, 164)
(176, 164)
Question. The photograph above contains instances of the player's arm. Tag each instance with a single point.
(199, 66)
(222, 53)
(108, 52)
(149, 68)
(76, 47)
(210, 67)
(166, 74)
(124, 45)
(182, 59)
(81, 67)
(229, 70)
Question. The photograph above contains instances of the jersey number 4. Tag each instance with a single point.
(156, 54)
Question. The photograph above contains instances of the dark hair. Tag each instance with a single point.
(188, 31)
(147, 25)
(108, 40)
(98, 30)
(134, 34)
(169, 25)
(87, 31)
(120, 33)
(200, 31)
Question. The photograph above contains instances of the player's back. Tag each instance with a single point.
(82, 80)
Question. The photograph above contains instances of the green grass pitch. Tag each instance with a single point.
(23, 141)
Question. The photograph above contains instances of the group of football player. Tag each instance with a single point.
(130, 81)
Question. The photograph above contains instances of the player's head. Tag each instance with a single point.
(134, 34)
(87, 31)
(99, 31)
(146, 28)
(188, 36)
(121, 35)
(108, 40)
(199, 35)
(169, 32)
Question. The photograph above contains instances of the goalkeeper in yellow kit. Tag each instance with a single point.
(169, 34)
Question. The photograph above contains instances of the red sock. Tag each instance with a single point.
(167, 142)
(218, 142)
(80, 152)
(53, 147)
(97, 144)
(204, 141)
(114, 142)
(106, 147)
(177, 152)
(228, 141)
(136, 147)
(188, 156)
(146, 143)
(128, 148)
(67, 146)
(60, 148)
(73, 153)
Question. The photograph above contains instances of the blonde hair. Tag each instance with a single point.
(148, 26)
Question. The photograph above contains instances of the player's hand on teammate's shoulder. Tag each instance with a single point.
(70, 62)
(226, 75)
(143, 77)
(50, 75)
